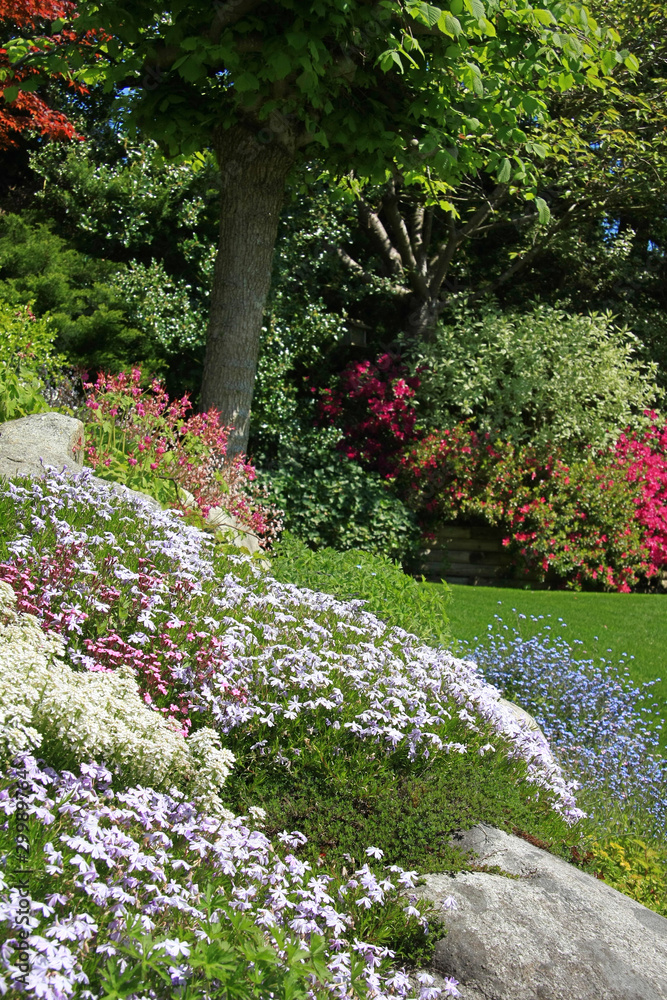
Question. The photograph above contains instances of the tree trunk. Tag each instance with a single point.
(422, 319)
(253, 170)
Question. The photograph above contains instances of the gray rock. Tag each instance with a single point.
(220, 519)
(521, 715)
(553, 933)
(29, 444)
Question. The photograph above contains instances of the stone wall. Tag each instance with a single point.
(472, 554)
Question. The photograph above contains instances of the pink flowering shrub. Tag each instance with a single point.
(600, 520)
(643, 456)
(139, 437)
(374, 406)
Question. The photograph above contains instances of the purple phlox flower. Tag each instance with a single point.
(450, 987)
(73, 928)
(294, 839)
(173, 947)
(374, 852)
(408, 879)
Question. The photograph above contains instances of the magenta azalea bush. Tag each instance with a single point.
(599, 519)
(374, 405)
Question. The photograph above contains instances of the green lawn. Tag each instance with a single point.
(608, 624)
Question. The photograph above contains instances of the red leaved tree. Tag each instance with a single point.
(22, 109)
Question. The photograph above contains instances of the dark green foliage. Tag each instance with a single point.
(37, 267)
(345, 803)
(106, 316)
(329, 500)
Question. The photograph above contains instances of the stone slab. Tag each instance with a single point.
(552, 933)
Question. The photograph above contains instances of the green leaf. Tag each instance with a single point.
(632, 63)
(10, 94)
(426, 13)
(543, 212)
(476, 8)
(246, 81)
(281, 65)
(450, 25)
(544, 16)
(389, 59)
(505, 171)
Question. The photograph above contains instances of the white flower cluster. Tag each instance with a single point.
(82, 716)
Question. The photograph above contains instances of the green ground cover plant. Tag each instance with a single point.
(557, 680)
(394, 596)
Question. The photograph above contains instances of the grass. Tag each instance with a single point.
(607, 624)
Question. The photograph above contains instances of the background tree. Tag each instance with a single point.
(23, 107)
(369, 90)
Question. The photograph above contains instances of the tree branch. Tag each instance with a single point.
(352, 265)
(441, 263)
(400, 230)
(399, 291)
(381, 238)
(417, 236)
(530, 255)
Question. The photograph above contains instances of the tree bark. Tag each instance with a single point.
(253, 169)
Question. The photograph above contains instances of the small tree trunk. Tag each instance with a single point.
(253, 169)
(422, 319)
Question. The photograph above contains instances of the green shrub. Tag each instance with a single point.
(389, 593)
(633, 867)
(26, 358)
(329, 500)
(104, 315)
(543, 377)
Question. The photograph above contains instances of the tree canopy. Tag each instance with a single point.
(399, 91)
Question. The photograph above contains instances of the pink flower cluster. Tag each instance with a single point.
(114, 626)
(143, 439)
(600, 519)
(373, 405)
(643, 457)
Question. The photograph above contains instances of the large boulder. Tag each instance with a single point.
(29, 444)
(549, 932)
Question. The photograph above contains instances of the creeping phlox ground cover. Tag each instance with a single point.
(46, 705)
(234, 651)
(142, 895)
(603, 729)
(291, 681)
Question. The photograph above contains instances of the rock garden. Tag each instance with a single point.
(333, 500)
